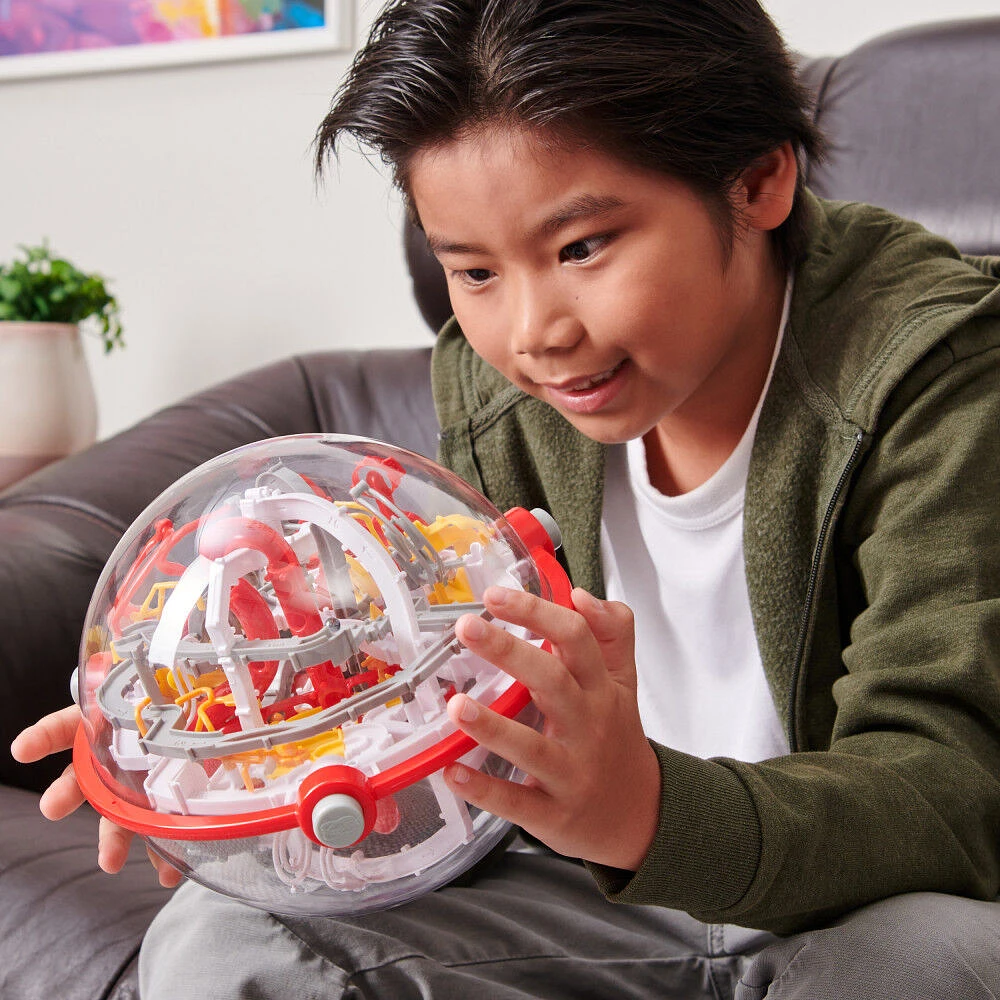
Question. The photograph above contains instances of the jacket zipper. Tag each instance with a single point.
(824, 529)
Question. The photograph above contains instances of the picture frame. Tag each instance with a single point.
(46, 38)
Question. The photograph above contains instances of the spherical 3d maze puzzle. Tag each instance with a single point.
(266, 663)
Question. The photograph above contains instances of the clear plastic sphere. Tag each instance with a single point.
(266, 663)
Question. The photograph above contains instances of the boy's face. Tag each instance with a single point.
(599, 287)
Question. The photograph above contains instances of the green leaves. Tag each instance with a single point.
(41, 288)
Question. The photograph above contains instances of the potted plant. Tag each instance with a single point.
(47, 405)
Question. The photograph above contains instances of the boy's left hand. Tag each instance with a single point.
(593, 785)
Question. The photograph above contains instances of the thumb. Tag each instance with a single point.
(613, 626)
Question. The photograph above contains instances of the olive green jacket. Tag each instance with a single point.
(872, 546)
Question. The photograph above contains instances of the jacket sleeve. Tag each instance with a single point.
(907, 797)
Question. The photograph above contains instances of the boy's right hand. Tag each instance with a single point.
(53, 734)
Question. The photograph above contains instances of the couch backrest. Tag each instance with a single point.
(912, 120)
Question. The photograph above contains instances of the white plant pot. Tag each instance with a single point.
(47, 404)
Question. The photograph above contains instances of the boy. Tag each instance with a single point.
(765, 423)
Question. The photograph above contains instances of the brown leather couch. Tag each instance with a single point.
(913, 120)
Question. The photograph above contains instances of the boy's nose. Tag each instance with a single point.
(542, 322)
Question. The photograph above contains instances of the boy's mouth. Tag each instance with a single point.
(583, 384)
(586, 394)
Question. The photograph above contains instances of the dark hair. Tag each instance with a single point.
(696, 89)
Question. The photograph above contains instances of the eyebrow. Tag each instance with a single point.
(584, 206)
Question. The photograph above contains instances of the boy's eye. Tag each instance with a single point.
(473, 275)
(581, 250)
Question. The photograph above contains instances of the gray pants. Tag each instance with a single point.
(536, 927)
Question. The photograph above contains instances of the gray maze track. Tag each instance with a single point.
(338, 641)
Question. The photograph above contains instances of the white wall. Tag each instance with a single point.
(831, 28)
(192, 188)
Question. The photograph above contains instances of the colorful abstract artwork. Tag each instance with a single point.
(40, 37)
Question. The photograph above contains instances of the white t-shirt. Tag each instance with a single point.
(678, 563)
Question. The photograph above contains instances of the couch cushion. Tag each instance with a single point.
(68, 931)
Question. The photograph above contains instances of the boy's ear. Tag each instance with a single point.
(766, 189)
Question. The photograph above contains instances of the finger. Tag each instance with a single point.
(566, 630)
(518, 744)
(553, 687)
(62, 797)
(613, 627)
(169, 876)
(50, 735)
(523, 805)
(112, 846)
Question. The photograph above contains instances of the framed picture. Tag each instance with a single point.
(55, 37)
